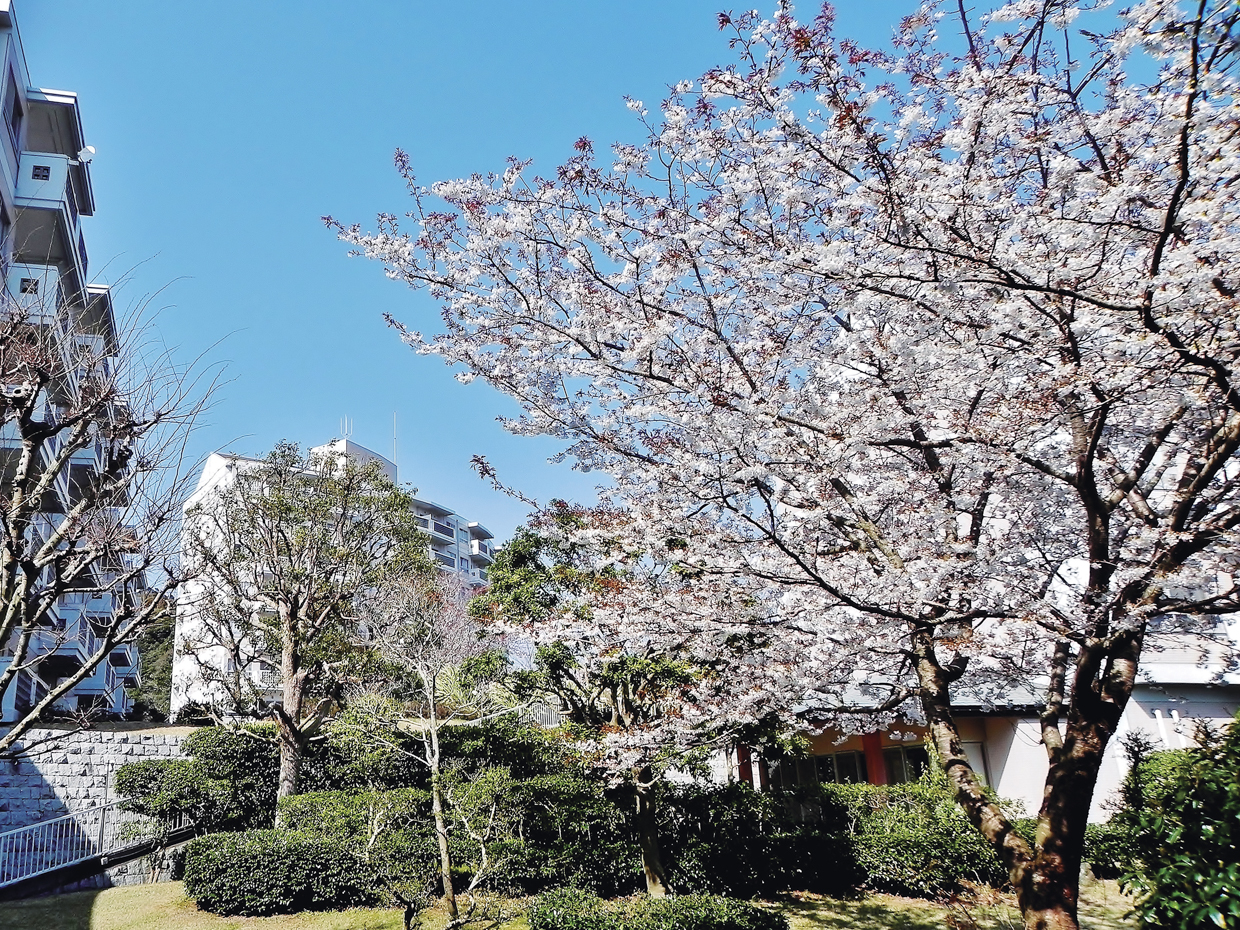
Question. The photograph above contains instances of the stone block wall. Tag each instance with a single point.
(72, 771)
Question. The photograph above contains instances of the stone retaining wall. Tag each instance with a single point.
(76, 770)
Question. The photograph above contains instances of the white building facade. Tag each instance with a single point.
(455, 543)
(45, 190)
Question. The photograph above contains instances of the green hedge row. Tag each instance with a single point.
(574, 909)
(261, 872)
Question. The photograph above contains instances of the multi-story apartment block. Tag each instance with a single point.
(454, 542)
(45, 190)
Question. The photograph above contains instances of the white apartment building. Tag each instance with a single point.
(45, 190)
(456, 543)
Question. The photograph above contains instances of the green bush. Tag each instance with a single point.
(913, 839)
(164, 788)
(247, 762)
(735, 841)
(1186, 838)
(260, 872)
(229, 781)
(569, 909)
(392, 832)
(574, 909)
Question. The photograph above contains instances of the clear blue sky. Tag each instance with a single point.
(226, 129)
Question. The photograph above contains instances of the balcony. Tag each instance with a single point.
(437, 529)
(482, 551)
(123, 657)
(103, 682)
(54, 127)
(64, 648)
(48, 229)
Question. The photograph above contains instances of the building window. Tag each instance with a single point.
(13, 112)
(905, 763)
(30, 285)
(41, 172)
(844, 768)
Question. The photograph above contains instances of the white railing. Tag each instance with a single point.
(544, 715)
(54, 844)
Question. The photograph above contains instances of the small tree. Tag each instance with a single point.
(92, 432)
(614, 691)
(285, 551)
(446, 672)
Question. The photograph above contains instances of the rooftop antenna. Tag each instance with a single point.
(395, 442)
(346, 428)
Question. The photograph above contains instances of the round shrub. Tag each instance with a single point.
(260, 872)
(1186, 848)
(699, 912)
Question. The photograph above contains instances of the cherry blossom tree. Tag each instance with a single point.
(921, 359)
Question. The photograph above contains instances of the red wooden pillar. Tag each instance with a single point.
(876, 768)
(744, 764)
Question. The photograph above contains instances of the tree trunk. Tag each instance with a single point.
(290, 761)
(1046, 876)
(648, 834)
(441, 834)
(288, 718)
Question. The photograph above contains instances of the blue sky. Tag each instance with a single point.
(225, 130)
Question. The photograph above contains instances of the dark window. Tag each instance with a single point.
(847, 768)
(41, 172)
(13, 112)
(904, 763)
(30, 285)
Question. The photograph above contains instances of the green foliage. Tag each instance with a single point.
(229, 781)
(156, 644)
(260, 872)
(247, 761)
(1186, 838)
(574, 909)
(390, 831)
(912, 839)
(1111, 847)
(166, 787)
(733, 840)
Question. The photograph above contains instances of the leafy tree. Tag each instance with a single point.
(546, 585)
(926, 354)
(284, 552)
(156, 647)
(1184, 818)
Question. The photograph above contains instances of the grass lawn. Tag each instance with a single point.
(165, 907)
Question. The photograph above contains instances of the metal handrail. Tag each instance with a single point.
(49, 845)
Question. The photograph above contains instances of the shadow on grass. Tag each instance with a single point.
(865, 914)
(54, 912)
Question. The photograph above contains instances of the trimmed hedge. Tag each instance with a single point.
(912, 839)
(261, 872)
(574, 909)
(735, 841)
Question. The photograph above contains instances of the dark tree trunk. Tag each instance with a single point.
(648, 834)
(1047, 875)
